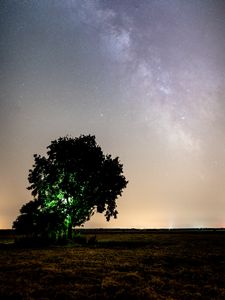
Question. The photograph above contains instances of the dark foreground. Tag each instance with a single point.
(121, 265)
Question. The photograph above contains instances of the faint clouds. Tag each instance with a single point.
(174, 133)
(90, 12)
(144, 75)
(117, 43)
(84, 12)
(184, 139)
(165, 89)
(115, 40)
(150, 79)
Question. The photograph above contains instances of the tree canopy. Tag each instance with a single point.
(75, 180)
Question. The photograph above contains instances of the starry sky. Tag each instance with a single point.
(147, 78)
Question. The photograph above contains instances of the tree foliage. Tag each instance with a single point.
(69, 185)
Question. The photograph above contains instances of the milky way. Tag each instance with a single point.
(146, 77)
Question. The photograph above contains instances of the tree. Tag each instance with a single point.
(35, 220)
(69, 185)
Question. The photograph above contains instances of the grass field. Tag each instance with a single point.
(121, 265)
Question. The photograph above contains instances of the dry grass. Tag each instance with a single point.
(120, 266)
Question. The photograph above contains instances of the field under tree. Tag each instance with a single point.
(123, 264)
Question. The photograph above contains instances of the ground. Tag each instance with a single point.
(120, 265)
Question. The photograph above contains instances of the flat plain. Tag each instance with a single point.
(123, 264)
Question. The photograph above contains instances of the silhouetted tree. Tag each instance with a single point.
(36, 220)
(69, 185)
(27, 221)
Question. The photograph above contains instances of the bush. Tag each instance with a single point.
(30, 241)
(79, 239)
(92, 240)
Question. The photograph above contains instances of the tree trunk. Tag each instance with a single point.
(70, 231)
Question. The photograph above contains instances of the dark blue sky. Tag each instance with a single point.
(146, 77)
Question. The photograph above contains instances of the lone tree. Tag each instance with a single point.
(69, 185)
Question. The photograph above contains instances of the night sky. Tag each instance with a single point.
(147, 78)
